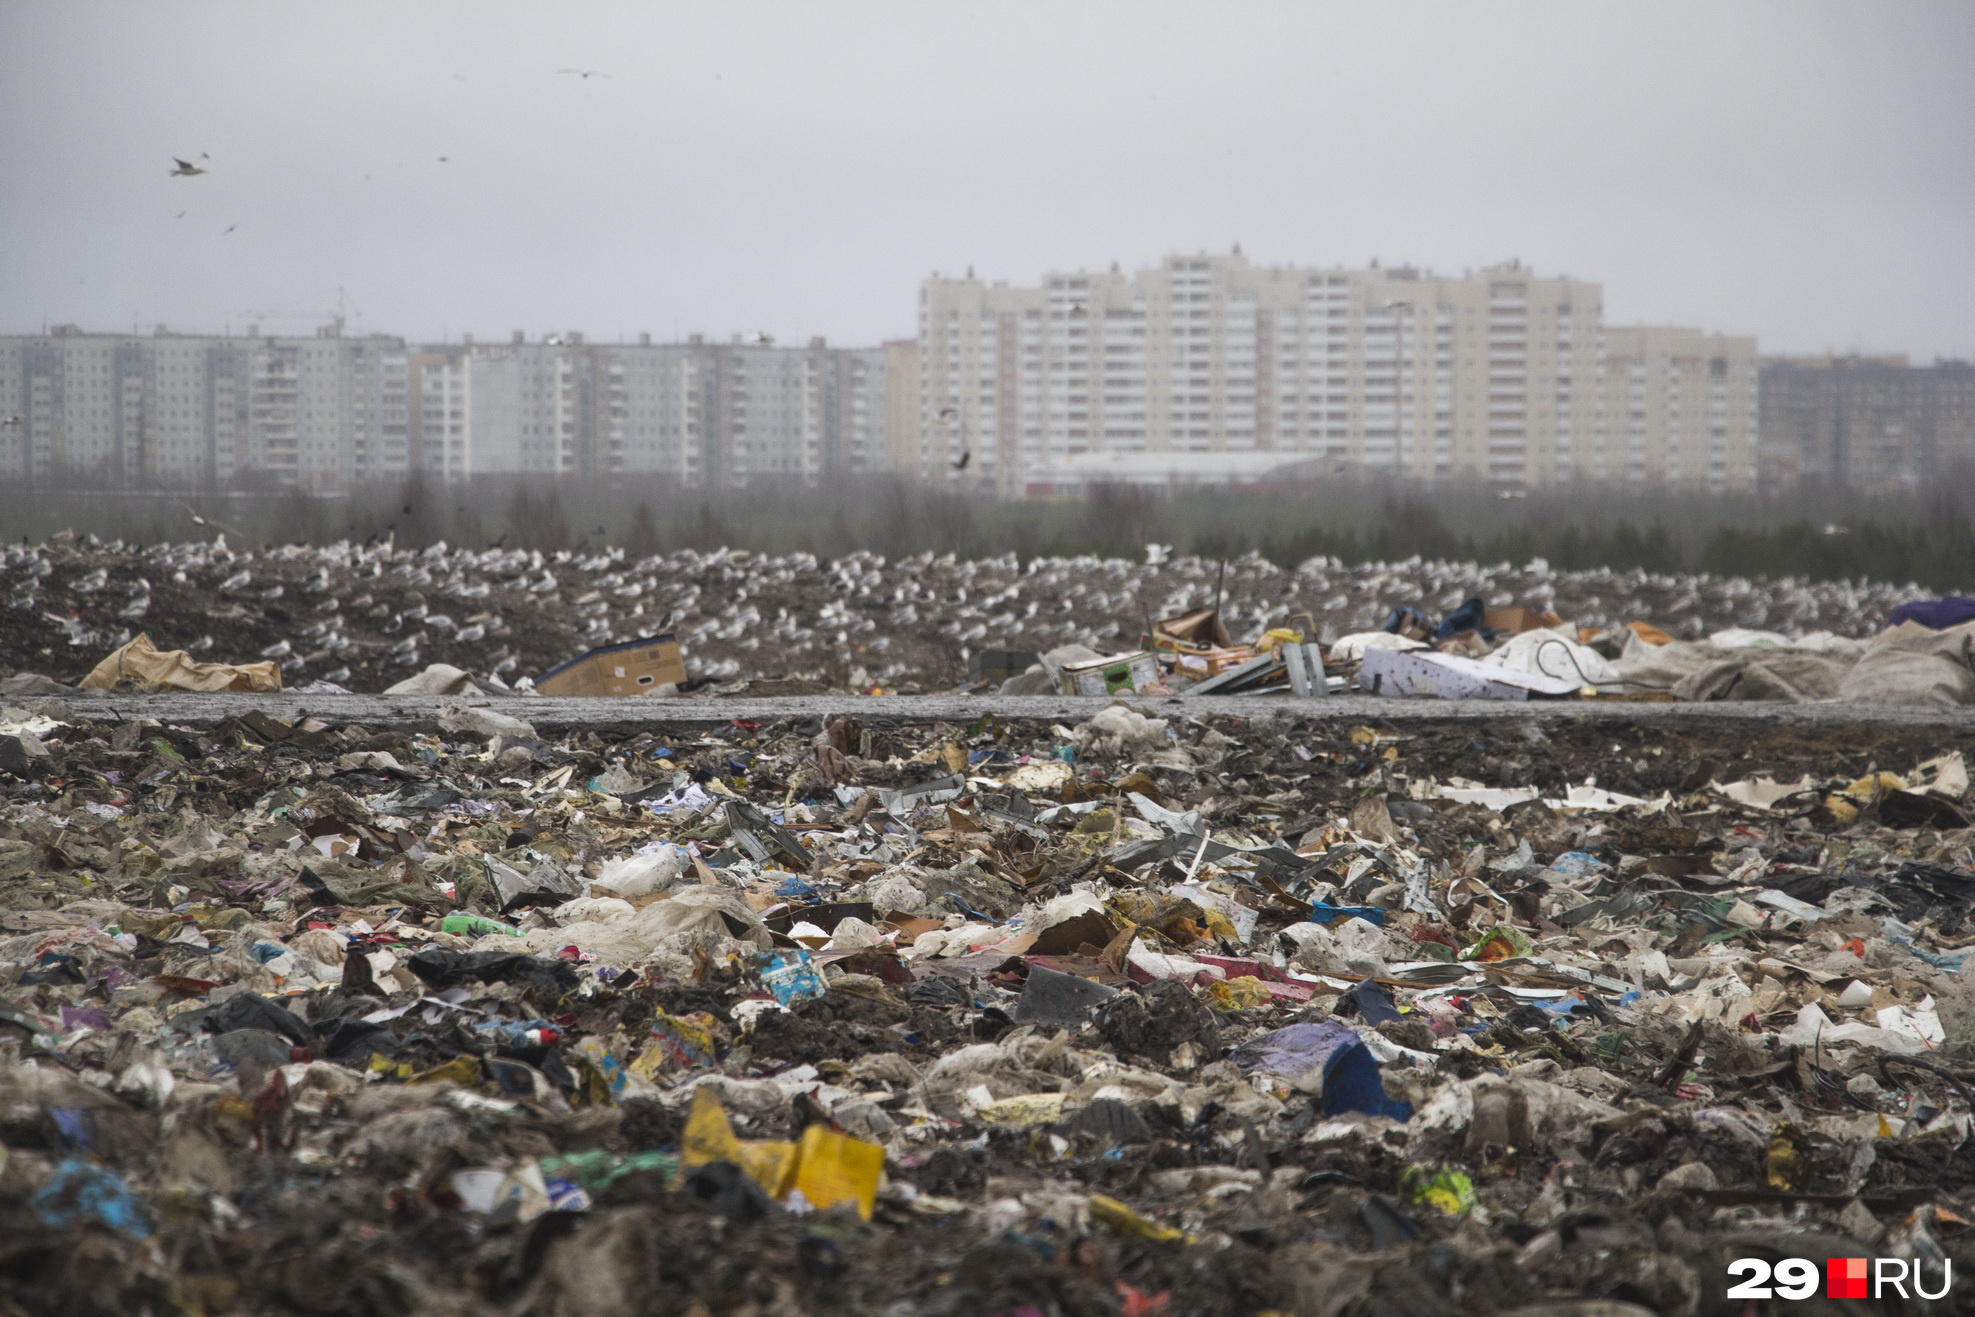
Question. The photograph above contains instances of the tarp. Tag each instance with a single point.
(1913, 665)
(1702, 671)
(146, 667)
(1936, 614)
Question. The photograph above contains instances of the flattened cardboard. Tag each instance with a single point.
(632, 667)
(1518, 620)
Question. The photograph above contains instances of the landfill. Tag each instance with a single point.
(1550, 1014)
(371, 617)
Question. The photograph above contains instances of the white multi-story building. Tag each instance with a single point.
(1679, 409)
(330, 412)
(193, 411)
(703, 414)
(1206, 366)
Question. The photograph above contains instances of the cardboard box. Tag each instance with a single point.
(1200, 629)
(1518, 619)
(1107, 676)
(634, 667)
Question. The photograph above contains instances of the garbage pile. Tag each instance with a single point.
(1137, 1016)
(364, 617)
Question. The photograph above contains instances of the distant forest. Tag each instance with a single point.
(1926, 537)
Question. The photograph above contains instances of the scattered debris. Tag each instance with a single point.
(1137, 1015)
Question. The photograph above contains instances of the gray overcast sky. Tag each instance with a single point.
(1801, 171)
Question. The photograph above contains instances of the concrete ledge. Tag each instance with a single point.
(552, 714)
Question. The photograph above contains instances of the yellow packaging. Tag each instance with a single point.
(1028, 1109)
(710, 1138)
(832, 1168)
(1121, 1218)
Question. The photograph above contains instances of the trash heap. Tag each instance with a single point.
(364, 617)
(1136, 1016)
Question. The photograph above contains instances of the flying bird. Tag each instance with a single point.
(186, 169)
(764, 339)
(229, 228)
(965, 458)
(10, 423)
(585, 73)
(948, 413)
(442, 160)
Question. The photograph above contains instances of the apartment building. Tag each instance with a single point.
(1208, 363)
(1868, 422)
(1383, 371)
(705, 414)
(1679, 410)
(180, 411)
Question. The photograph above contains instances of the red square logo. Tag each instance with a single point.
(1844, 1278)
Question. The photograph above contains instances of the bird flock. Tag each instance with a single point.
(366, 616)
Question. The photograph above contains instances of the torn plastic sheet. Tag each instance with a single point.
(762, 838)
(939, 791)
(1594, 799)
(1187, 823)
(544, 881)
(691, 798)
(1328, 1058)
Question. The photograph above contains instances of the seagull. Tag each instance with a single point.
(948, 413)
(10, 423)
(766, 340)
(442, 160)
(585, 73)
(181, 214)
(186, 168)
(229, 228)
(965, 458)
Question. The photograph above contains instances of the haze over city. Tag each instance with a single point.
(1795, 172)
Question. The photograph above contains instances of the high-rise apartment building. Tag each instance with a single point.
(330, 412)
(194, 411)
(1868, 422)
(1679, 410)
(705, 414)
(1208, 364)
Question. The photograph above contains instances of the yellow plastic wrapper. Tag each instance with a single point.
(1783, 1164)
(1121, 1218)
(832, 1168)
(709, 1137)
(1238, 994)
(1844, 805)
(1443, 1187)
(462, 1070)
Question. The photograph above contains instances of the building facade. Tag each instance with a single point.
(1493, 377)
(170, 411)
(174, 411)
(708, 415)
(1679, 410)
(1866, 422)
